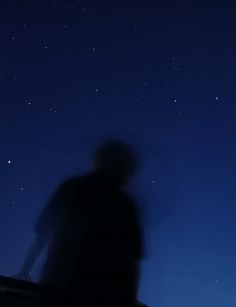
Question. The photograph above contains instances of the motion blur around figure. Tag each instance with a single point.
(92, 226)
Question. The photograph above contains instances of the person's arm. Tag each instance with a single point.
(39, 240)
(46, 225)
(35, 248)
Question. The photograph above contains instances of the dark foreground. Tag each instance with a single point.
(18, 293)
(14, 292)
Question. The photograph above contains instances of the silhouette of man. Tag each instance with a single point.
(95, 237)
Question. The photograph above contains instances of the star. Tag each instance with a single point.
(53, 110)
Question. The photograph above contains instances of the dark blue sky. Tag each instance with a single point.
(160, 74)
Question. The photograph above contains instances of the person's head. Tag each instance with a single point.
(117, 160)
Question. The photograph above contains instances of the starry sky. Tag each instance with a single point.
(158, 74)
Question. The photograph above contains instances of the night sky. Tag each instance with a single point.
(158, 74)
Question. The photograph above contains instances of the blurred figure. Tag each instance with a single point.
(95, 240)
